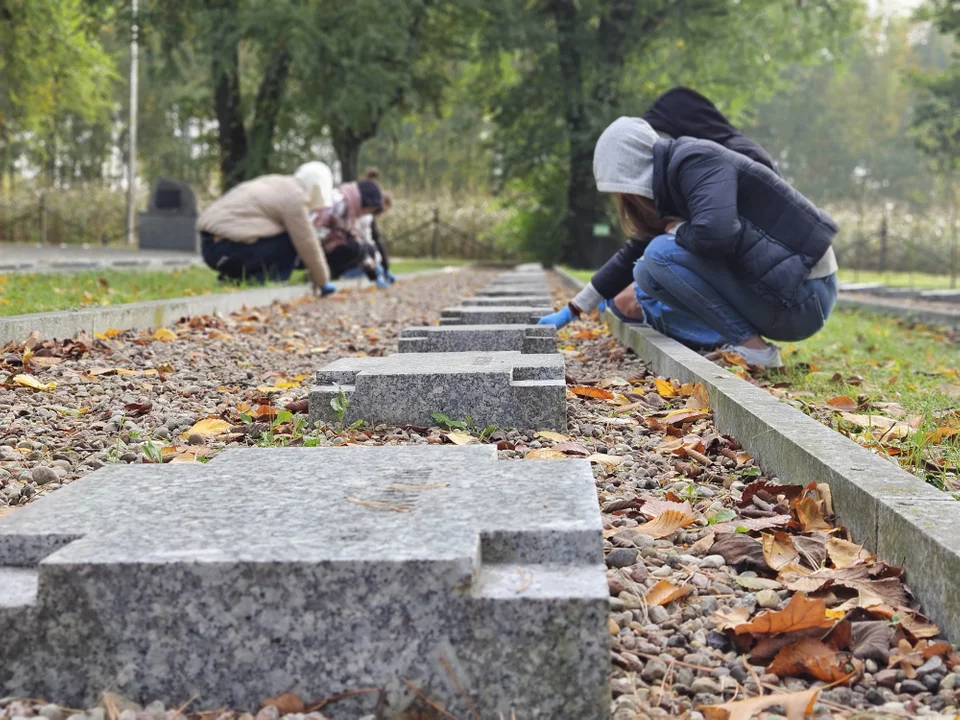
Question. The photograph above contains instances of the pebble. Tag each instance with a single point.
(768, 599)
(51, 712)
(653, 670)
(949, 682)
(887, 678)
(713, 562)
(705, 685)
(933, 665)
(658, 614)
(620, 557)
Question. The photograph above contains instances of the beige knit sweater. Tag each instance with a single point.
(267, 206)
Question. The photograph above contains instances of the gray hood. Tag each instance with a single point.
(623, 158)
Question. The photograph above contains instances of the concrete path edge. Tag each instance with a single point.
(907, 522)
(153, 314)
(939, 318)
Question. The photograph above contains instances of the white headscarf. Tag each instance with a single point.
(623, 158)
(318, 180)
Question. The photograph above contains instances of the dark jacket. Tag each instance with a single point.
(679, 112)
(682, 112)
(740, 212)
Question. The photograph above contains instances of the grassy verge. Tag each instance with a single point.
(896, 279)
(45, 292)
(891, 387)
(404, 265)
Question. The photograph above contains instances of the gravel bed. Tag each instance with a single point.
(693, 530)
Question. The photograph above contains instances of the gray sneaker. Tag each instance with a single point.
(768, 357)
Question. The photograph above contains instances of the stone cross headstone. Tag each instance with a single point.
(378, 571)
(170, 220)
(507, 389)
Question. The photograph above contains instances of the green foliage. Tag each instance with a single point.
(444, 421)
(340, 404)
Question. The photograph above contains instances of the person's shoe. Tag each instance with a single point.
(768, 357)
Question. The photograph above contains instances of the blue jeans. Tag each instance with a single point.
(678, 325)
(270, 258)
(708, 290)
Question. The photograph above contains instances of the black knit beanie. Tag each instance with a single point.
(370, 195)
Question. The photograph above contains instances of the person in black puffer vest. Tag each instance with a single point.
(679, 112)
(744, 255)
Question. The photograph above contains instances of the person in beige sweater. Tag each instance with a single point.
(259, 229)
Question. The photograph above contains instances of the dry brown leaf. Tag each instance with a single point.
(810, 657)
(665, 592)
(664, 388)
(810, 515)
(394, 507)
(731, 619)
(572, 448)
(734, 359)
(796, 705)
(698, 399)
(844, 554)
(678, 417)
(286, 704)
(193, 454)
(738, 549)
(607, 460)
(942, 433)
(842, 402)
(918, 629)
(886, 427)
(545, 454)
(666, 524)
(591, 392)
(799, 614)
(779, 550)
(652, 506)
(208, 427)
(908, 657)
(461, 438)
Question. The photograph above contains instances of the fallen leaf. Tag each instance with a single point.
(286, 704)
(572, 448)
(652, 506)
(127, 373)
(727, 620)
(887, 427)
(591, 392)
(665, 592)
(461, 438)
(164, 368)
(666, 524)
(842, 402)
(551, 435)
(607, 460)
(193, 454)
(545, 454)
(843, 553)
(779, 550)
(734, 359)
(810, 515)
(208, 427)
(810, 657)
(907, 657)
(138, 409)
(942, 433)
(699, 399)
(800, 613)
(678, 417)
(31, 382)
(871, 640)
(296, 406)
(98, 371)
(759, 583)
(394, 507)
(918, 629)
(164, 335)
(664, 388)
(763, 523)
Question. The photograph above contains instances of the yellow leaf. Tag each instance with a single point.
(207, 427)
(551, 435)
(31, 382)
(545, 454)
(267, 389)
(461, 438)
(27, 355)
(124, 371)
(164, 335)
(834, 613)
(593, 392)
(664, 388)
(285, 385)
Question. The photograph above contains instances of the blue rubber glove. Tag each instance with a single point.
(381, 282)
(559, 318)
(603, 305)
(391, 278)
(327, 289)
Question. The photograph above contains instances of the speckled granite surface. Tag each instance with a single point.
(493, 315)
(509, 301)
(316, 571)
(528, 339)
(508, 389)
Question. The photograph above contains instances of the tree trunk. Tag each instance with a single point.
(267, 109)
(347, 144)
(225, 54)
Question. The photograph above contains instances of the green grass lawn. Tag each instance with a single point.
(889, 369)
(896, 279)
(43, 292)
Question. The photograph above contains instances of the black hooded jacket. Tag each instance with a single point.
(679, 112)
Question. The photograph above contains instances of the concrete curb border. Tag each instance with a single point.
(942, 318)
(903, 519)
(158, 313)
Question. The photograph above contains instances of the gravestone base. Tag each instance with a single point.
(493, 315)
(317, 571)
(527, 339)
(507, 389)
(508, 301)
